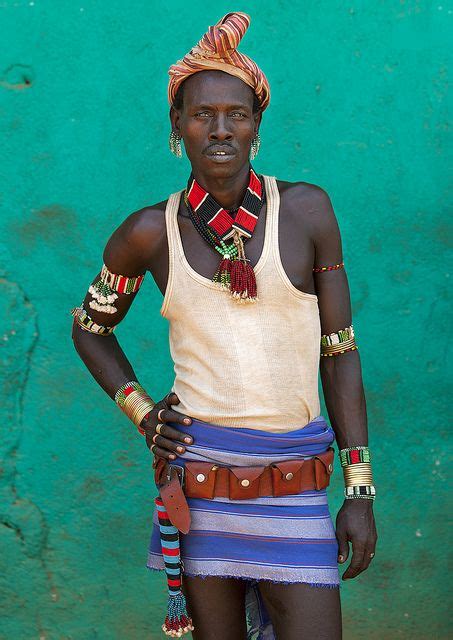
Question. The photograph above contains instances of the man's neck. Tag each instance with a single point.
(228, 192)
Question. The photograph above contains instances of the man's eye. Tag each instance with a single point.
(238, 113)
(202, 113)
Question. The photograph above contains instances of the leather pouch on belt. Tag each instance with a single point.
(200, 478)
(324, 468)
(286, 477)
(244, 482)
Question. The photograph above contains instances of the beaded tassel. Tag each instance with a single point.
(223, 274)
(103, 297)
(242, 278)
(177, 621)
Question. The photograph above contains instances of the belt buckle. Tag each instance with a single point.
(180, 471)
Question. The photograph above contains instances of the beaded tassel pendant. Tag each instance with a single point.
(103, 296)
(242, 279)
(177, 621)
(234, 273)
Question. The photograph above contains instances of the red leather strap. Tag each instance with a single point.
(170, 490)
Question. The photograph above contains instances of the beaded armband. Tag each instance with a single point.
(332, 267)
(133, 400)
(358, 476)
(339, 342)
(103, 291)
(87, 324)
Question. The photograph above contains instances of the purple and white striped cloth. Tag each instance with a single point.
(282, 539)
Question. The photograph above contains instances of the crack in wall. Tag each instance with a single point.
(17, 346)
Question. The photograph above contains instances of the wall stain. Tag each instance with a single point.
(17, 77)
(46, 224)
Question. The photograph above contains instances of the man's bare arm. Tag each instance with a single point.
(341, 377)
(128, 252)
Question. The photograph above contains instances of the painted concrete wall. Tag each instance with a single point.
(359, 108)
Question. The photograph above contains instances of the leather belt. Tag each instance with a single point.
(207, 480)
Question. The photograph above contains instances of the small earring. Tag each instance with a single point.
(255, 146)
(174, 142)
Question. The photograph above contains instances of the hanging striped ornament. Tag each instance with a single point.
(216, 225)
(177, 621)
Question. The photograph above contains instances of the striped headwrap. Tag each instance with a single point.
(217, 51)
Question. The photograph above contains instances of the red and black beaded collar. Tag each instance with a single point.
(216, 225)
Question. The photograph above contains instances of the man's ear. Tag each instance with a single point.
(257, 116)
(174, 119)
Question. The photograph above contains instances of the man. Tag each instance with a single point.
(246, 374)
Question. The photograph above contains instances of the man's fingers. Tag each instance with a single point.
(171, 398)
(355, 566)
(162, 453)
(174, 434)
(170, 445)
(343, 546)
(369, 549)
(169, 415)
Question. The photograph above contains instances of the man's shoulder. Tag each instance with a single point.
(140, 233)
(304, 198)
(297, 191)
(145, 223)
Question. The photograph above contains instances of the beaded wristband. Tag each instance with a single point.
(362, 491)
(85, 322)
(353, 455)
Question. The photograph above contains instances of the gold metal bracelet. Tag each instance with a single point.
(137, 405)
(335, 348)
(359, 473)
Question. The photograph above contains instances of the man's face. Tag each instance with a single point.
(216, 122)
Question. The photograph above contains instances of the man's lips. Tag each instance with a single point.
(220, 151)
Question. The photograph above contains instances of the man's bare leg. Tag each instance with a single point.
(217, 607)
(302, 612)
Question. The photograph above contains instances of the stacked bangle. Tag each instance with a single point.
(358, 476)
(135, 402)
(338, 342)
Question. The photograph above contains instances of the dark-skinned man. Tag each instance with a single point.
(255, 290)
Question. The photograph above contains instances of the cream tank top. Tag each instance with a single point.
(251, 365)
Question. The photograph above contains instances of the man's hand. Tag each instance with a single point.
(355, 523)
(166, 439)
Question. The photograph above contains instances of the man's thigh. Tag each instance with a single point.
(302, 612)
(217, 607)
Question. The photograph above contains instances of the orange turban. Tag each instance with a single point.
(217, 50)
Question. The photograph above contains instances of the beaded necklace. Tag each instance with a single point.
(216, 225)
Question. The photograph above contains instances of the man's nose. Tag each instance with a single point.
(219, 128)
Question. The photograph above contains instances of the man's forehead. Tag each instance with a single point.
(216, 87)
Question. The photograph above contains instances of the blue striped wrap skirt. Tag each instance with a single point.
(282, 539)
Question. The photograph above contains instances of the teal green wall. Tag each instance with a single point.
(358, 107)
